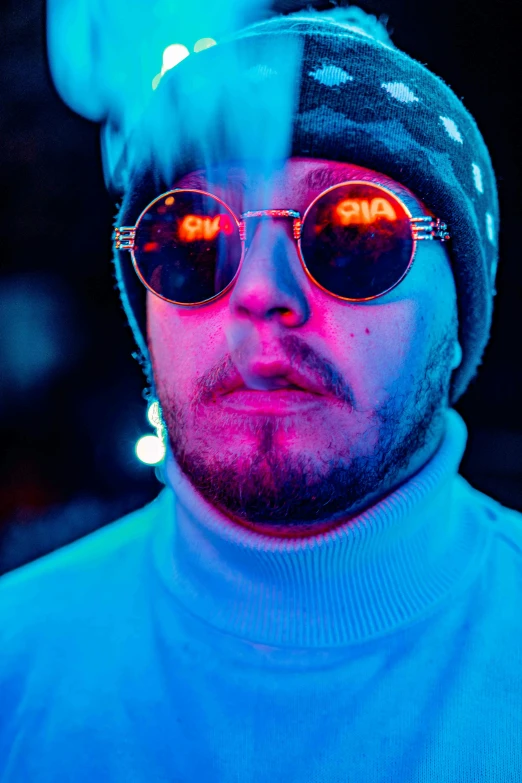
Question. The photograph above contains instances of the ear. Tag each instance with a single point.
(457, 355)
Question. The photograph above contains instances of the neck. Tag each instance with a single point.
(384, 567)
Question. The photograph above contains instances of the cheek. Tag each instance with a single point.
(400, 334)
(378, 348)
(400, 344)
(183, 342)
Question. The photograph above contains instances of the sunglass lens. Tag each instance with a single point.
(356, 241)
(187, 247)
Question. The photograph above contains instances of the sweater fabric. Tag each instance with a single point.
(175, 645)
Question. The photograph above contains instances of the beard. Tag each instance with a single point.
(276, 489)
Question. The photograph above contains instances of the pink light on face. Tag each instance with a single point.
(356, 210)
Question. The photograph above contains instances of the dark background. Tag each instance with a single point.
(71, 403)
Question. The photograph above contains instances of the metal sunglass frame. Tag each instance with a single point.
(425, 227)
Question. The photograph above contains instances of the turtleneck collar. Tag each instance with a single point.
(383, 569)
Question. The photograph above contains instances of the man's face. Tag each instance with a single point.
(296, 464)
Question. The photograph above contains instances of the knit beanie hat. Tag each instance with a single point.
(347, 94)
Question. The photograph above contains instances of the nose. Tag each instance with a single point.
(271, 282)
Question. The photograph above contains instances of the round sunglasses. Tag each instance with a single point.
(356, 241)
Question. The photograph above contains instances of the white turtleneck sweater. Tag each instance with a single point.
(174, 645)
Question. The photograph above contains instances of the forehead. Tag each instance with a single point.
(295, 182)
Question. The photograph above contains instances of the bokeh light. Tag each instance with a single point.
(173, 55)
(150, 449)
(204, 43)
(153, 414)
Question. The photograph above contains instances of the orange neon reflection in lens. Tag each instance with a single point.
(150, 247)
(194, 227)
(361, 210)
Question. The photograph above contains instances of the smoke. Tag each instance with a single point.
(231, 103)
(118, 62)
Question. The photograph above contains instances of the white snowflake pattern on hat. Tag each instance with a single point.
(451, 127)
(400, 91)
(331, 75)
(260, 72)
(489, 228)
(477, 176)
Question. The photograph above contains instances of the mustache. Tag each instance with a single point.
(297, 351)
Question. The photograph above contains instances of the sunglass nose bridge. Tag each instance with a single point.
(271, 213)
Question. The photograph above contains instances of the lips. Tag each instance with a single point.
(274, 377)
(267, 389)
(283, 401)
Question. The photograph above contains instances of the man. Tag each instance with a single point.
(316, 594)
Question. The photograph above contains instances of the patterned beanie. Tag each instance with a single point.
(357, 99)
